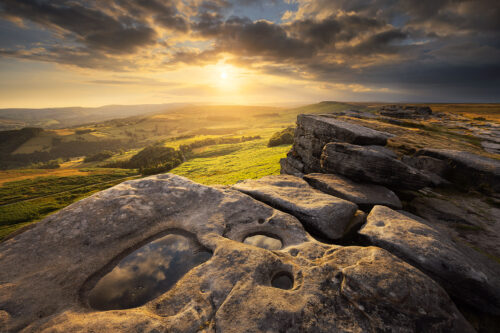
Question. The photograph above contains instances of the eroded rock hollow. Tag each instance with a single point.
(324, 248)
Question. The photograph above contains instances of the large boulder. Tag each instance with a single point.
(313, 132)
(324, 214)
(465, 274)
(467, 169)
(372, 164)
(362, 194)
(330, 129)
(491, 147)
(474, 219)
(291, 166)
(47, 272)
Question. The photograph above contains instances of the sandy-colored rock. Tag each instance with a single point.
(465, 274)
(367, 164)
(313, 132)
(334, 288)
(326, 215)
(491, 147)
(291, 166)
(473, 218)
(331, 129)
(60, 253)
(364, 195)
(468, 170)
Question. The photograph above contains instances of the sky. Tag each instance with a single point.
(98, 52)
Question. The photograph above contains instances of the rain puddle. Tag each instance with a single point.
(264, 241)
(147, 272)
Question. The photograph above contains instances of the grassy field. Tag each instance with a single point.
(487, 111)
(227, 164)
(28, 195)
(29, 200)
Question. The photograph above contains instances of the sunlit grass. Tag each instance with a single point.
(26, 201)
(247, 160)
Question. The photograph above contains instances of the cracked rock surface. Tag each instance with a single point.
(466, 275)
(334, 288)
(363, 194)
(371, 164)
(327, 215)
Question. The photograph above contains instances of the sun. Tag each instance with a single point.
(223, 75)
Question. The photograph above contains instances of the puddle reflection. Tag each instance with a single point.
(147, 273)
(264, 241)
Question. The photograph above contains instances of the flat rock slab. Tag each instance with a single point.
(325, 214)
(332, 129)
(333, 289)
(375, 165)
(467, 169)
(473, 218)
(465, 274)
(491, 147)
(364, 195)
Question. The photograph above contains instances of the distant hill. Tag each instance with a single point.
(51, 118)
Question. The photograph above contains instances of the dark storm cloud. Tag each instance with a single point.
(476, 15)
(260, 38)
(89, 26)
(379, 43)
(383, 43)
(332, 29)
(164, 13)
(298, 40)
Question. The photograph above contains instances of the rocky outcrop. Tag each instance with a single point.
(328, 288)
(456, 191)
(291, 166)
(329, 129)
(375, 165)
(472, 219)
(62, 252)
(406, 112)
(465, 274)
(467, 169)
(491, 147)
(313, 132)
(363, 194)
(324, 214)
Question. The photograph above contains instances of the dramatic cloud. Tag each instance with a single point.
(383, 44)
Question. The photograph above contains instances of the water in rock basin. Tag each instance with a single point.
(264, 241)
(147, 272)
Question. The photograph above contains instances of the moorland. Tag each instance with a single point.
(58, 159)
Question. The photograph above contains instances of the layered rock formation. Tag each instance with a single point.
(463, 273)
(287, 253)
(365, 195)
(455, 235)
(330, 288)
(325, 214)
(371, 164)
(409, 111)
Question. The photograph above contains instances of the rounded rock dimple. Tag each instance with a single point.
(282, 280)
(380, 224)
